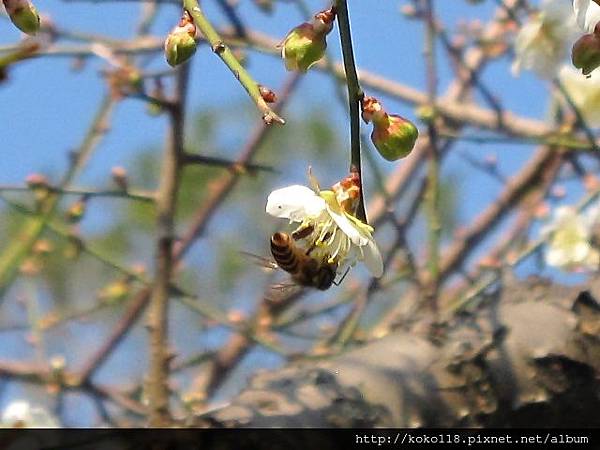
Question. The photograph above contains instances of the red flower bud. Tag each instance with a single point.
(267, 94)
(586, 52)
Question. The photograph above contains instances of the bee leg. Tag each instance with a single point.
(302, 232)
(337, 283)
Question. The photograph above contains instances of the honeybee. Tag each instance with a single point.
(304, 269)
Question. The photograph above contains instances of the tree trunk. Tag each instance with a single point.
(529, 357)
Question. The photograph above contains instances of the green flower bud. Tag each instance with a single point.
(586, 52)
(23, 15)
(180, 44)
(302, 48)
(393, 136)
(115, 292)
(305, 45)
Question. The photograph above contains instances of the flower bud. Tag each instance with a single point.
(393, 136)
(119, 176)
(267, 94)
(42, 247)
(180, 44)
(76, 211)
(264, 5)
(586, 52)
(23, 15)
(115, 292)
(305, 45)
(124, 80)
(39, 185)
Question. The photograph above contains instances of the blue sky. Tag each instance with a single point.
(45, 106)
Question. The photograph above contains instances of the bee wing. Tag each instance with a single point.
(285, 287)
(267, 263)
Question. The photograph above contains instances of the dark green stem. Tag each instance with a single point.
(355, 95)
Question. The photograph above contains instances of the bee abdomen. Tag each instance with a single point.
(281, 249)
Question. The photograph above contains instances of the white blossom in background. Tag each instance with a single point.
(338, 236)
(587, 14)
(543, 42)
(584, 91)
(569, 239)
(21, 414)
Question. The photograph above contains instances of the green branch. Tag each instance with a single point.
(224, 52)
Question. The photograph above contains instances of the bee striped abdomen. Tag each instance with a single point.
(283, 253)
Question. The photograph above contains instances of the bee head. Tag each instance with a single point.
(325, 276)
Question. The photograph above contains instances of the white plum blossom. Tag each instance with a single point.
(584, 91)
(587, 13)
(542, 43)
(337, 236)
(20, 414)
(569, 237)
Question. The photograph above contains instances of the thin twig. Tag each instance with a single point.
(220, 48)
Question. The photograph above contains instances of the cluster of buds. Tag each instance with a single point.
(393, 136)
(180, 44)
(586, 51)
(305, 44)
(23, 15)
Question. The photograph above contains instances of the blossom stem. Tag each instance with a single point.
(355, 95)
(224, 52)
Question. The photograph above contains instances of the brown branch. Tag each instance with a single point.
(136, 307)
(520, 225)
(191, 159)
(516, 189)
(42, 374)
(156, 385)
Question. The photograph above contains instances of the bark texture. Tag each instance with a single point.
(529, 356)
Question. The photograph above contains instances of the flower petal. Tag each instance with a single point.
(295, 203)
(580, 252)
(342, 221)
(587, 13)
(373, 259)
(556, 257)
(348, 228)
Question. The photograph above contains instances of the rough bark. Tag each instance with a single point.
(529, 356)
